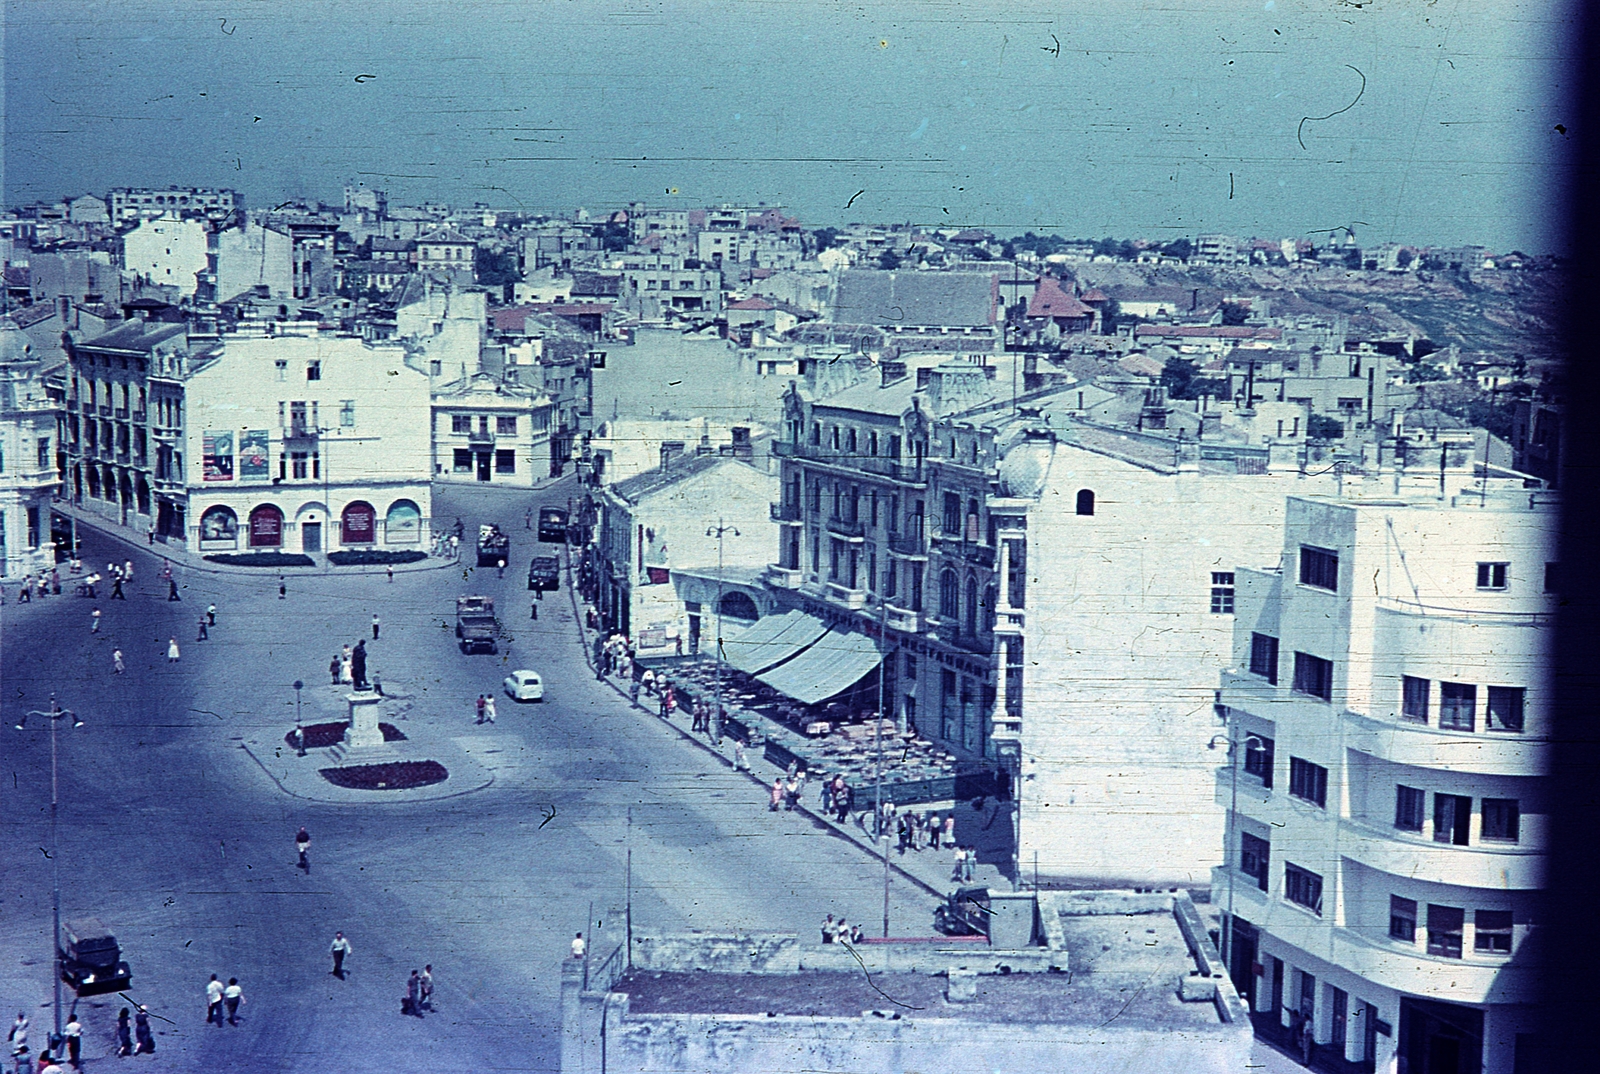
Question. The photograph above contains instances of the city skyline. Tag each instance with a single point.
(964, 126)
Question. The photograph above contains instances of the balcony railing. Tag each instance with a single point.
(105, 409)
(480, 436)
(842, 528)
(908, 544)
(72, 402)
(871, 464)
(785, 512)
(139, 416)
(121, 412)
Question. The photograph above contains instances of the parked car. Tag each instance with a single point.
(544, 573)
(91, 961)
(525, 686)
(552, 524)
(965, 912)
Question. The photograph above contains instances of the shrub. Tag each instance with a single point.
(262, 559)
(394, 776)
(359, 556)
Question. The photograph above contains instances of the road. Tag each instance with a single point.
(173, 836)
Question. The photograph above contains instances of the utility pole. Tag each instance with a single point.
(719, 531)
(55, 714)
(883, 836)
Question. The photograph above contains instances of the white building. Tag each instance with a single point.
(490, 430)
(145, 204)
(168, 251)
(1390, 717)
(254, 256)
(306, 441)
(28, 472)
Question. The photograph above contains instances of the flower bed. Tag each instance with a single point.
(262, 559)
(363, 556)
(321, 735)
(395, 776)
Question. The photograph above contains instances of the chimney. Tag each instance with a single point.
(670, 449)
(892, 371)
(1194, 299)
(742, 448)
(924, 376)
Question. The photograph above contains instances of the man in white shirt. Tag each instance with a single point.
(233, 995)
(577, 947)
(341, 947)
(214, 1001)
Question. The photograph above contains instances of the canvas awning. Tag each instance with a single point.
(772, 640)
(834, 662)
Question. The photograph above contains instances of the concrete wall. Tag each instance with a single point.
(666, 373)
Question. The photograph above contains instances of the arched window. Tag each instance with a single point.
(219, 524)
(738, 605)
(1085, 501)
(358, 523)
(949, 594)
(971, 625)
(266, 527)
(403, 523)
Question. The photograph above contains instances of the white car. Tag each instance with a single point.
(525, 686)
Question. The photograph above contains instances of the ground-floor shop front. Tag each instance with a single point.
(310, 520)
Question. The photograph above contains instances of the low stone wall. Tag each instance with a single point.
(929, 958)
(754, 952)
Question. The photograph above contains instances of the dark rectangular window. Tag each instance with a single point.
(1258, 758)
(1492, 929)
(1319, 567)
(1492, 575)
(1308, 781)
(1502, 819)
(313, 370)
(1505, 709)
(1313, 675)
(1255, 856)
(462, 461)
(460, 423)
(1221, 592)
(1410, 806)
(1452, 818)
(505, 462)
(505, 426)
(952, 514)
(1264, 657)
(1445, 926)
(1402, 919)
(1414, 698)
(1458, 703)
(1303, 887)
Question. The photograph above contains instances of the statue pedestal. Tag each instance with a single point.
(363, 732)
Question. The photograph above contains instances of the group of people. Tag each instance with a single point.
(485, 708)
(918, 830)
(350, 665)
(419, 992)
(44, 585)
(219, 995)
(840, 932)
(72, 1034)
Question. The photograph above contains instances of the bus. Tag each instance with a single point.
(552, 524)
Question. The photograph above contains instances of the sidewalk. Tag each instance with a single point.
(928, 869)
(179, 556)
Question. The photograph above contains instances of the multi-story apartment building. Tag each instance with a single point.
(488, 429)
(168, 251)
(143, 204)
(1389, 726)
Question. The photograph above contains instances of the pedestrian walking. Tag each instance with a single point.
(776, 795)
(116, 589)
(958, 868)
(791, 795)
(25, 594)
(533, 610)
(500, 569)
(233, 995)
(374, 626)
(390, 571)
(633, 692)
(74, 1034)
(427, 988)
(903, 833)
(172, 650)
(344, 664)
(282, 589)
(741, 763)
(488, 708)
(950, 829)
(172, 590)
(141, 1032)
(94, 621)
(578, 946)
(341, 948)
(827, 929)
(214, 1001)
(211, 614)
(412, 1004)
(127, 570)
(201, 634)
(971, 865)
(481, 706)
(527, 519)
(302, 843)
(150, 537)
(333, 669)
(55, 582)
(124, 1035)
(18, 1037)
(1307, 1040)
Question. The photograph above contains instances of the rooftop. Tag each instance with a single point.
(906, 299)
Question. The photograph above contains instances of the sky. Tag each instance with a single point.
(1418, 121)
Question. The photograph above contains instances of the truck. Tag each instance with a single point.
(552, 524)
(544, 573)
(476, 626)
(493, 546)
(91, 961)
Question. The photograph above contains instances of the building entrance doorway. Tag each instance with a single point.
(310, 536)
(483, 465)
(1440, 1038)
(1242, 959)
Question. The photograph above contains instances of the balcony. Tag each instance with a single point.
(850, 531)
(480, 436)
(1422, 746)
(909, 545)
(785, 450)
(1009, 623)
(904, 619)
(72, 402)
(105, 409)
(953, 547)
(139, 416)
(784, 577)
(843, 594)
(299, 431)
(1480, 865)
(785, 512)
(121, 412)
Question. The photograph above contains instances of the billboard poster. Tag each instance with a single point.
(360, 524)
(253, 456)
(218, 456)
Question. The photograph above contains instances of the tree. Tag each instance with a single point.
(1127, 251)
(1182, 249)
(888, 260)
(1106, 247)
(1182, 380)
(1235, 313)
(1008, 250)
(1423, 372)
(1404, 258)
(1322, 427)
(1352, 258)
(825, 238)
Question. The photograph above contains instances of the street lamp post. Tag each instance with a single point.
(55, 714)
(718, 531)
(883, 836)
(299, 732)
